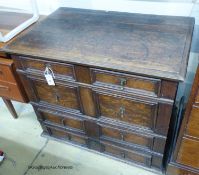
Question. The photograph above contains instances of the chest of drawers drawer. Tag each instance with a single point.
(137, 112)
(126, 154)
(60, 95)
(65, 120)
(125, 110)
(126, 82)
(126, 137)
(72, 137)
(60, 70)
(132, 139)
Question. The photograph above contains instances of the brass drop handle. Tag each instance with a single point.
(69, 137)
(57, 97)
(122, 112)
(122, 83)
(123, 154)
(63, 122)
(122, 136)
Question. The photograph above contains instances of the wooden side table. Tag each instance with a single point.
(10, 85)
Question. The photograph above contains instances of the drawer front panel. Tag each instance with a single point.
(127, 154)
(193, 124)
(129, 111)
(125, 137)
(62, 120)
(10, 91)
(126, 82)
(6, 73)
(68, 136)
(59, 69)
(61, 95)
(188, 154)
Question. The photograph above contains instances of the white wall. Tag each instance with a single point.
(149, 7)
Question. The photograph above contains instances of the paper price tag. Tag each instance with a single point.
(50, 80)
(49, 77)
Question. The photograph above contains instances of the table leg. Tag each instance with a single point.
(10, 107)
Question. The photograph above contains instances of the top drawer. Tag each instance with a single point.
(65, 71)
(6, 73)
(125, 82)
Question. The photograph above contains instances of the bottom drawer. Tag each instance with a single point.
(66, 135)
(10, 91)
(128, 155)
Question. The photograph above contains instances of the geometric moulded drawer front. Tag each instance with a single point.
(64, 120)
(126, 137)
(59, 95)
(126, 82)
(39, 66)
(127, 154)
(128, 111)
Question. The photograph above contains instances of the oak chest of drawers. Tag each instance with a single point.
(185, 158)
(116, 76)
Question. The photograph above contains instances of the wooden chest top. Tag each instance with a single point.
(156, 46)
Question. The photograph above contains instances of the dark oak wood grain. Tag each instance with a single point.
(125, 154)
(65, 120)
(65, 71)
(65, 96)
(127, 137)
(125, 82)
(72, 137)
(150, 45)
